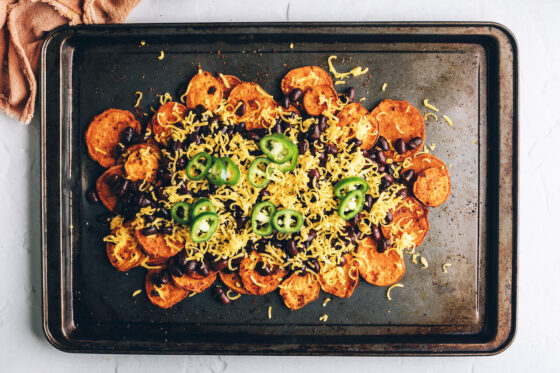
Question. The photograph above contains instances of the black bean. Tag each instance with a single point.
(148, 218)
(143, 201)
(322, 123)
(351, 94)
(219, 264)
(382, 143)
(236, 262)
(277, 128)
(295, 95)
(368, 203)
(355, 221)
(203, 270)
(261, 245)
(164, 277)
(164, 163)
(351, 237)
(322, 157)
(402, 193)
(388, 178)
(195, 138)
(174, 145)
(218, 290)
(314, 132)
(400, 146)
(149, 231)
(382, 245)
(242, 222)
(414, 143)
(264, 193)
(92, 196)
(264, 269)
(181, 162)
(123, 187)
(166, 177)
(199, 109)
(191, 266)
(331, 149)
(156, 280)
(135, 185)
(303, 146)
(356, 143)
(115, 180)
(176, 270)
(286, 102)
(381, 157)
(313, 174)
(375, 232)
(127, 135)
(166, 230)
(183, 188)
(313, 264)
(181, 258)
(311, 235)
(381, 168)
(253, 136)
(211, 90)
(291, 247)
(408, 175)
(241, 128)
(388, 217)
(303, 270)
(285, 126)
(241, 109)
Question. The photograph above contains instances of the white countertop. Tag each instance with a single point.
(536, 348)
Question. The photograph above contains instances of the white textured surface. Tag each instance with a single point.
(535, 24)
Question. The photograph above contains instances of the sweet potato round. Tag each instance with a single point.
(304, 78)
(320, 98)
(380, 269)
(432, 187)
(167, 295)
(298, 291)
(358, 117)
(205, 90)
(253, 281)
(340, 281)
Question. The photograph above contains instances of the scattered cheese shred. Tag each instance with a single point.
(444, 267)
(414, 256)
(326, 301)
(429, 106)
(356, 71)
(448, 120)
(433, 146)
(232, 297)
(100, 151)
(424, 262)
(142, 43)
(391, 288)
(291, 45)
(339, 82)
(474, 141)
(136, 292)
(138, 99)
(270, 312)
(384, 87)
(161, 55)
(324, 318)
(430, 114)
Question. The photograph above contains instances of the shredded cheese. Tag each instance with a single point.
(356, 71)
(232, 297)
(432, 147)
(429, 106)
(384, 87)
(424, 262)
(324, 318)
(327, 300)
(142, 43)
(391, 288)
(136, 292)
(448, 120)
(291, 45)
(430, 115)
(161, 55)
(270, 312)
(444, 267)
(138, 99)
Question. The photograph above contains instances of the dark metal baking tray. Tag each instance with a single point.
(469, 70)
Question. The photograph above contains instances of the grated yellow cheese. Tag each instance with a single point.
(391, 288)
(324, 318)
(448, 120)
(356, 71)
(136, 292)
(384, 87)
(429, 106)
(161, 55)
(291, 45)
(270, 312)
(424, 262)
(430, 115)
(142, 43)
(444, 267)
(327, 300)
(138, 99)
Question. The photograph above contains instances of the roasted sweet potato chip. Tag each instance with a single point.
(340, 280)
(399, 119)
(164, 118)
(423, 161)
(360, 123)
(233, 281)
(297, 291)
(166, 295)
(228, 82)
(305, 78)
(320, 98)
(142, 162)
(156, 246)
(126, 254)
(410, 223)
(106, 193)
(195, 282)
(432, 186)
(253, 281)
(380, 269)
(205, 90)
(260, 107)
(104, 134)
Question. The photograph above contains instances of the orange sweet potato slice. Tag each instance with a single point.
(380, 269)
(104, 133)
(298, 291)
(361, 124)
(166, 295)
(409, 217)
(423, 161)
(195, 282)
(304, 78)
(126, 254)
(253, 281)
(260, 107)
(106, 194)
(233, 281)
(156, 246)
(432, 186)
(205, 90)
(399, 119)
(228, 82)
(320, 98)
(340, 280)
(164, 118)
(142, 162)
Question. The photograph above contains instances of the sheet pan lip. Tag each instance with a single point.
(67, 344)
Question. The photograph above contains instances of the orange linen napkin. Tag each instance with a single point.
(23, 25)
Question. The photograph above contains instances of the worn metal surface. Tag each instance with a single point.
(470, 309)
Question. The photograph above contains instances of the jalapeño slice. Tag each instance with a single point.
(278, 147)
(203, 226)
(217, 172)
(203, 204)
(290, 165)
(287, 221)
(232, 171)
(261, 218)
(346, 185)
(198, 166)
(351, 204)
(181, 212)
(259, 172)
